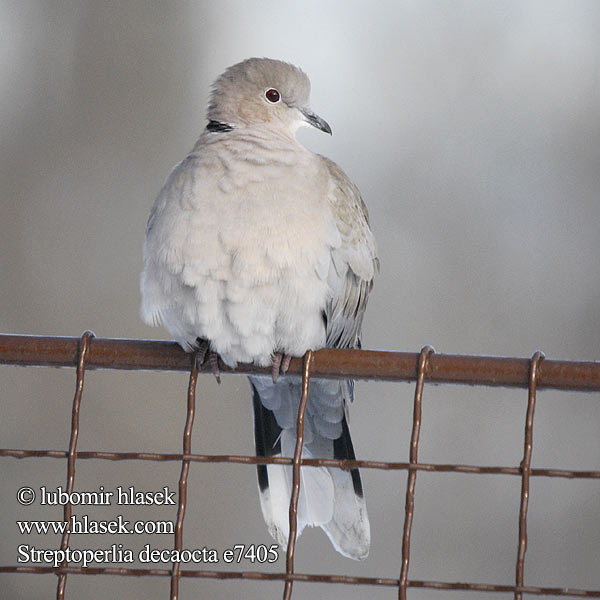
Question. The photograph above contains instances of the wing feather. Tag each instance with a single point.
(354, 262)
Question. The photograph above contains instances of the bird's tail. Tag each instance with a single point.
(330, 498)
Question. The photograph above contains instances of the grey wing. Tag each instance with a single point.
(354, 263)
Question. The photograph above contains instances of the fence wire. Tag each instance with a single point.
(89, 352)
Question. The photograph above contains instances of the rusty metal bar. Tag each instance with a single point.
(536, 360)
(289, 558)
(409, 508)
(311, 577)
(312, 462)
(109, 353)
(82, 352)
(183, 478)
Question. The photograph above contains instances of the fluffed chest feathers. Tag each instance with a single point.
(260, 270)
(267, 223)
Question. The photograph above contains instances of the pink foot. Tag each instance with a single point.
(203, 353)
(281, 364)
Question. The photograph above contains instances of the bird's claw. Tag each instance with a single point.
(203, 354)
(281, 364)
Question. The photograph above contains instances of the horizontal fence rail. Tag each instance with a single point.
(111, 353)
(89, 352)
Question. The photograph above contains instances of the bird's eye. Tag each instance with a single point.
(272, 95)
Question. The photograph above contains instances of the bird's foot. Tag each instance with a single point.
(281, 364)
(203, 354)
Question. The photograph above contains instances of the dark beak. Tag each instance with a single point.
(315, 120)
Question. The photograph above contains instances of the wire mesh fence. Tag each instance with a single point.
(89, 352)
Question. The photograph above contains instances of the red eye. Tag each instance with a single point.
(272, 95)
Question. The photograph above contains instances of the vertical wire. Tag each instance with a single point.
(409, 508)
(526, 471)
(289, 559)
(183, 478)
(83, 352)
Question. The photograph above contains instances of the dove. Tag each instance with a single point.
(256, 251)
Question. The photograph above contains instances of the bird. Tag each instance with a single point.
(258, 250)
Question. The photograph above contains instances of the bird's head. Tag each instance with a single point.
(260, 91)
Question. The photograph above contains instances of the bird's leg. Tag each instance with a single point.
(285, 363)
(205, 352)
(281, 364)
(213, 359)
(201, 351)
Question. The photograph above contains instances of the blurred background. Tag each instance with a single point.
(472, 129)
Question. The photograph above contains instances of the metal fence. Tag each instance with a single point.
(89, 352)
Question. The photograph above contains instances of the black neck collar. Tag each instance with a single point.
(218, 126)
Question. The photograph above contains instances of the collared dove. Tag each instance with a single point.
(258, 250)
